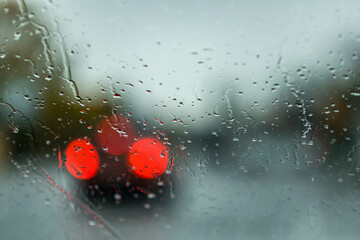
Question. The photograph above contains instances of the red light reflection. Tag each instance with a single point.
(82, 159)
(148, 158)
(115, 135)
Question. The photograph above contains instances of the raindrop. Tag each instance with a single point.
(92, 223)
(355, 93)
(117, 196)
(151, 195)
(17, 36)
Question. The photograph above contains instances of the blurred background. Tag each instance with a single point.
(257, 104)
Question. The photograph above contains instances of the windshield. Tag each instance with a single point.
(174, 120)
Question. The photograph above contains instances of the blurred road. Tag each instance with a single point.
(282, 201)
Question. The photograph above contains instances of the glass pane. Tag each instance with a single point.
(191, 119)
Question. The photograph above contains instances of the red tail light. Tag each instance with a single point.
(82, 159)
(148, 158)
(115, 135)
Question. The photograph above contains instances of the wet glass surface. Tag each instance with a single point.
(179, 120)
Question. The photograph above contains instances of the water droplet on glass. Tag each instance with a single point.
(92, 223)
(117, 196)
(17, 36)
(355, 93)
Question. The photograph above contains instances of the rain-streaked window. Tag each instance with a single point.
(179, 119)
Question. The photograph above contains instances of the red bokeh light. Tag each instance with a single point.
(82, 159)
(148, 158)
(116, 134)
